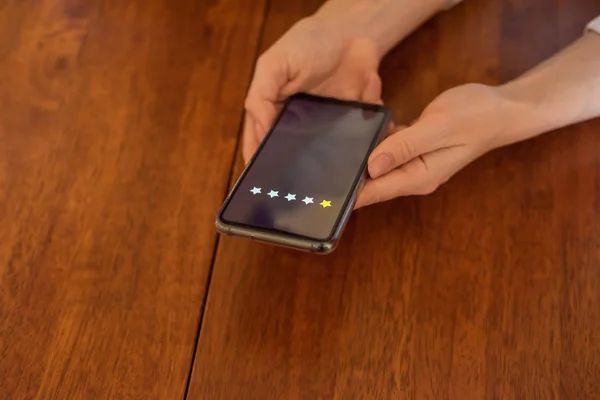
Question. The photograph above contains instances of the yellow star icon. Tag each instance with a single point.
(325, 203)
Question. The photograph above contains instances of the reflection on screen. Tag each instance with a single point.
(306, 170)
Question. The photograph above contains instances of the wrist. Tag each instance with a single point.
(524, 113)
(561, 91)
(384, 22)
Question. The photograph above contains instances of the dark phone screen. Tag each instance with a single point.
(306, 170)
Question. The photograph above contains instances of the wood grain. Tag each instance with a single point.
(486, 289)
(118, 127)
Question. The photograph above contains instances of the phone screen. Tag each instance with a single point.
(307, 169)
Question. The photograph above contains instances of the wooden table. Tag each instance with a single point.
(119, 126)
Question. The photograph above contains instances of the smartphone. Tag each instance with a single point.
(300, 188)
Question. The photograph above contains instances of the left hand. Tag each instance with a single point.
(317, 55)
(456, 128)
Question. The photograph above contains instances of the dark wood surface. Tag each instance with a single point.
(118, 127)
(489, 288)
(118, 130)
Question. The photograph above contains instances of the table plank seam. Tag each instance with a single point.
(230, 180)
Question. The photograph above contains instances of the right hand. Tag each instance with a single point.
(314, 56)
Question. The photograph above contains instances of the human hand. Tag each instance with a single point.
(316, 56)
(456, 128)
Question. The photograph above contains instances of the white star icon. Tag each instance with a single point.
(273, 193)
(308, 200)
(255, 190)
(290, 197)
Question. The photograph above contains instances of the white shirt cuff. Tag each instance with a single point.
(594, 26)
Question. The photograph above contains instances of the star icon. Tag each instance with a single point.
(325, 203)
(290, 197)
(255, 190)
(308, 200)
(273, 193)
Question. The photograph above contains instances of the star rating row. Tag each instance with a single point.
(291, 197)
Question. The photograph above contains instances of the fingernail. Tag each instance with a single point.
(382, 164)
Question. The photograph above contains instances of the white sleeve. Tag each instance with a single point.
(594, 26)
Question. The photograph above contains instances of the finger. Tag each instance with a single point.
(397, 183)
(372, 94)
(348, 86)
(372, 91)
(270, 76)
(339, 89)
(420, 176)
(403, 146)
(391, 129)
(250, 138)
(350, 80)
(256, 134)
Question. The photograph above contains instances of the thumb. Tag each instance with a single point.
(401, 147)
(270, 76)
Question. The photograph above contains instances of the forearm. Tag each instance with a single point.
(386, 22)
(562, 91)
